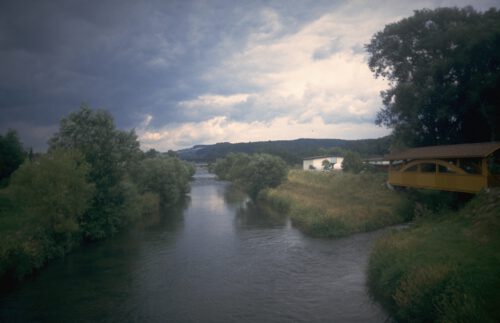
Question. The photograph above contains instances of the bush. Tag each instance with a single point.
(166, 176)
(11, 154)
(252, 172)
(445, 268)
(352, 163)
(55, 188)
(48, 197)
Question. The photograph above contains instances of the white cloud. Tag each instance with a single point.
(293, 82)
(207, 101)
(312, 81)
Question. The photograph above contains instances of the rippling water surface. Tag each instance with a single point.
(219, 259)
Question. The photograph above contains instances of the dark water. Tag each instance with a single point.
(220, 259)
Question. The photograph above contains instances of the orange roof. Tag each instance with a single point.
(447, 151)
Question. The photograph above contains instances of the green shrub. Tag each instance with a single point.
(168, 177)
(335, 204)
(445, 268)
(252, 172)
(352, 163)
(55, 188)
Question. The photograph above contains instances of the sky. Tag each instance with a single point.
(183, 73)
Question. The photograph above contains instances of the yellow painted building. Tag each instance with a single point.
(465, 168)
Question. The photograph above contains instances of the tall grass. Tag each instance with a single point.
(335, 204)
(446, 268)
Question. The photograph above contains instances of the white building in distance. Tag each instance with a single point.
(316, 163)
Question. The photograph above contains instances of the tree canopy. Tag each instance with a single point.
(111, 153)
(443, 67)
(54, 187)
(251, 172)
(11, 153)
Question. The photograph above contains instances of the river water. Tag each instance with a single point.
(220, 258)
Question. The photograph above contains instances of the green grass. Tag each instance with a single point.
(445, 268)
(336, 204)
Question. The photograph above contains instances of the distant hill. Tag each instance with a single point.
(292, 151)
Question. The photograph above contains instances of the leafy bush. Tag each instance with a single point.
(55, 188)
(166, 176)
(445, 268)
(49, 196)
(352, 163)
(252, 172)
(11, 154)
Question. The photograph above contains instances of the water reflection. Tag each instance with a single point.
(252, 215)
(169, 218)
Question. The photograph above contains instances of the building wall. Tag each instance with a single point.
(338, 165)
(318, 163)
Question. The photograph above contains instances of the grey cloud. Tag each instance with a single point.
(329, 50)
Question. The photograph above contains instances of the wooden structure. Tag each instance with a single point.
(465, 168)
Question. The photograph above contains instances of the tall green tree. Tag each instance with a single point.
(55, 188)
(443, 67)
(12, 153)
(111, 153)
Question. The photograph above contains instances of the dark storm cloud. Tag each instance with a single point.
(132, 58)
(55, 55)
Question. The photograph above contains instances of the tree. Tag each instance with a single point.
(167, 177)
(352, 163)
(326, 164)
(444, 72)
(252, 172)
(55, 189)
(263, 171)
(111, 153)
(11, 153)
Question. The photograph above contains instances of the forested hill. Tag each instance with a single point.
(292, 151)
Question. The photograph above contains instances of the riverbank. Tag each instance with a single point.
(445, 268)
(334, 204)
(28, 241)
(45, 213)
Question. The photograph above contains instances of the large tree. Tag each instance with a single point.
(11, 153)
(443, 67)
(110, 153)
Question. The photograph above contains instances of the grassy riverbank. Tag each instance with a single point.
(445, 268)
(337, 204)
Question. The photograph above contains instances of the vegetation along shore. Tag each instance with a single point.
(336, 204)
(444, 268)
(92, 182)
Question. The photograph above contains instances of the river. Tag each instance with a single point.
(220, 258)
